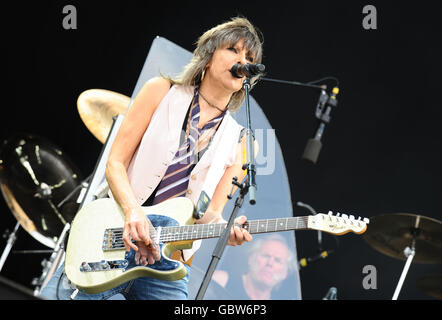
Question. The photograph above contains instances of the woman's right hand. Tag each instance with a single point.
(138, 227)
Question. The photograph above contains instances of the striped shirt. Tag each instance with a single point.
(194, 143)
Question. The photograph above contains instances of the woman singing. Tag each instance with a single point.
(178, 139)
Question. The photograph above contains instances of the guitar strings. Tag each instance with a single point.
(251, 225)
(175, 234)
(194, 232)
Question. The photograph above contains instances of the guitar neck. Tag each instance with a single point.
(332, 224)
(215, 230)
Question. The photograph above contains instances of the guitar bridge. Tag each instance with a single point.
(103, 265)
(113, 239)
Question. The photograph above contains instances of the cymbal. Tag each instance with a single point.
(431, 285)
(97, 107)
(35, 179)
(390, 234)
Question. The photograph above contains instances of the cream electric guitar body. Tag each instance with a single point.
(96, 259)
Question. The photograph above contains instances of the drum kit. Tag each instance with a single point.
(42, 188)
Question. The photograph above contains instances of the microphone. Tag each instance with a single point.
(314, 145)
(248, 70)
(322, 255)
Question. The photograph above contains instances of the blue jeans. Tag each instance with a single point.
(143, 288)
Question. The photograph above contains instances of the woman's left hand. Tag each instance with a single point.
(239, 235)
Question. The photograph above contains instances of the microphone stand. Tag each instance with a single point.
(301, 84)
(248, 186)
(325, 101)
(250, 166)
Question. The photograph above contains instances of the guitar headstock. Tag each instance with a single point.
(337, 224)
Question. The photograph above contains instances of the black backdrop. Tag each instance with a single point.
(381, 151)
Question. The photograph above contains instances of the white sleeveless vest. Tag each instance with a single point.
(161, 141)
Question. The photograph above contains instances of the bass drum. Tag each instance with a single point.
(36, 178)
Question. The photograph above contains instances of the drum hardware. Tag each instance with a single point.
(100, 111)
(412, 237)
(409, 253)
(24, 179)
(11, 239)
(31, 251)
(49, 267)
(35, 175)
(57, 256)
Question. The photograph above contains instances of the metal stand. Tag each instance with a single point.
(409, 253)
(245, 187)
(57, 256)
(222, 242)
(250, 165)
(87, 194)
(49, 267)
(11, 239)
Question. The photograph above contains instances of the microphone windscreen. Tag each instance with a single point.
(312, 149)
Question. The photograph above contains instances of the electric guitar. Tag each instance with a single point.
(96, 257)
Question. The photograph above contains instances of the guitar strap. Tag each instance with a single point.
(210, 184)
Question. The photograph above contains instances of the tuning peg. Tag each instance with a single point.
(338, 214)
(344, 216)
(366, 220)
(330, 213)
(359, 219)
(352, 217)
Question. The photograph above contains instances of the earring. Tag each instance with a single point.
(203, 74)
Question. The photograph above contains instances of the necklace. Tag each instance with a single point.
(212, 105)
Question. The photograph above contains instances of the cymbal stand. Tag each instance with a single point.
(11, 239)
(87, 194)
(57, 256)
(54, 262)
(409, 253)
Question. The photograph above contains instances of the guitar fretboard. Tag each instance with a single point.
(206, 231)
(113, 237)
